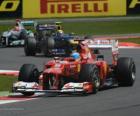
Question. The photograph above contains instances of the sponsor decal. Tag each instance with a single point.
(133, 6)
(72, 8)
(134, 3)
(10, 8)
(9, 5)
(64, 7)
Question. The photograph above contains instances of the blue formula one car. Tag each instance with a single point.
(17, 35)
(50, 40)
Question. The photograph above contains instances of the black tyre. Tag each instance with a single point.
(47, 45)
(1, 41)
(28, 93)
(23, 35)
(30, 46)
(28, 73)
(68, 48)
(126, 71)
(50, 43)
(68, 52)
(90, 73)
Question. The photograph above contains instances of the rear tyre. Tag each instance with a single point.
(126, 71)
(23, 35)
(47, 45)
(30, 46)
(90, 73)
(50, 43)
(1, 41)
(28, 73)
(67, 53)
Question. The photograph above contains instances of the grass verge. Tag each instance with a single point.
(6, 82)
(97, 28)
(101, 28)
(131, 40)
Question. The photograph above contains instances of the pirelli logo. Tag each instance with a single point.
(73, 6)
(9, 5)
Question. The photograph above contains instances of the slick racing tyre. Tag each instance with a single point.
(126, 71)
(47, 45)
(23, 35)
(50, 43)
(28, 73)
(90, 73)
(30, 46)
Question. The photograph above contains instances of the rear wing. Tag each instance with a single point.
(58, 23)
(106, 44)
(46, 27)
(103, 44)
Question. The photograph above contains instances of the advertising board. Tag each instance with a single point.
(72, 8)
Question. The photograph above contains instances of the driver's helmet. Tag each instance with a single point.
(75, 55)
(17, 22)
(16, 28)
(60, 32)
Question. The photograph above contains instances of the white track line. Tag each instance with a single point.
(13, 101)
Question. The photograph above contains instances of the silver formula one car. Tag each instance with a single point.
(17, 35)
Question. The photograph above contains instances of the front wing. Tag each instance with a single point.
(68, 88)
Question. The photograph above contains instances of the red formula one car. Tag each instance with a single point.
(88, 74)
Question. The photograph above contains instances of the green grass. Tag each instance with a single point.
(4, 28)
(97, 28)
(6, 83)
(101, 28)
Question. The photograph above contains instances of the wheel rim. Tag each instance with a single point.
(95, 79)
(133, 75)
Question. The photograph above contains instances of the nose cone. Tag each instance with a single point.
(53, 71)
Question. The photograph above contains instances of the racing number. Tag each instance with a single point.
(9, 5)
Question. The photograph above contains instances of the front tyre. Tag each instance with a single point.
(28, 73)
(90, 73)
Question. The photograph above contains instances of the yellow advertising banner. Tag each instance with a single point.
(72, 8)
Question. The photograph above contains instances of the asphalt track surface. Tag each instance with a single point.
(121, 101)
(12, 58)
